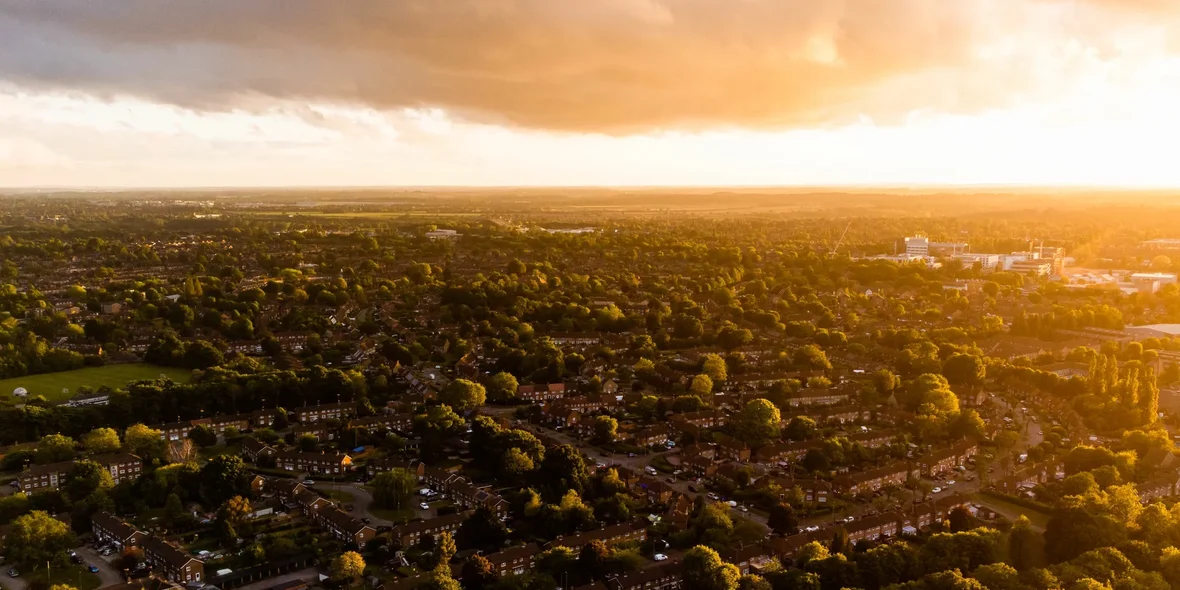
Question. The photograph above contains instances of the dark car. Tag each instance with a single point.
(93, 569)
(692, 488)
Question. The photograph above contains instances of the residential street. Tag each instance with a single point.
(362, 500)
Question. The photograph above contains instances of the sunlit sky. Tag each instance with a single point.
(610, 92)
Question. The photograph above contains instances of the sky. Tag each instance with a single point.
(158, 93)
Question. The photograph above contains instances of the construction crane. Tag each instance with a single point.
(841, 240)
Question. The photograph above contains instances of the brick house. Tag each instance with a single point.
(108, 527)
(172, 562)
(315, 463)
(340, 411)
(252, 449)
(611, 535)
(541, 392)
(410, 533)
(344, 527)
(514, 560)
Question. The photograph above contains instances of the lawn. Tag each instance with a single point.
(1011, 510)
(73, 575)
(51, 385)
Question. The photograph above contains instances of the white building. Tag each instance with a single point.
(986, 261)
(917, 246)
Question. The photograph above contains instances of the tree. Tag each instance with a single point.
(478, 573)
(885, 382)
(463, 395)
(347, 567)
(502, 387)
(36, 538)
(86, 477)
(810, 356)
(701, 386)
(966, 370)
(394, 489)
(800, 428)
(202, 436)
(483, 530)
(174, 512)
(703, 569)
(53, 448)
(605, 429)
(758, 422)
(235, 511)
(224, 477)
(960, 519)
(101, 441)
(714, 366)
(782, 519)
(445, 551)
(147, 443)
(592, 560)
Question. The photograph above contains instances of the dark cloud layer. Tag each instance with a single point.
(577, 65)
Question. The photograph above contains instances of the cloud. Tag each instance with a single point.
(612, 66)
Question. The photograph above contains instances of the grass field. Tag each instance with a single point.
(50, 385)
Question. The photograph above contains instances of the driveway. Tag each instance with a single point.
(106, 574)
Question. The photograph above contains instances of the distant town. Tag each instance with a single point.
(235, 392)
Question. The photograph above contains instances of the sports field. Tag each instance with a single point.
(50, 385)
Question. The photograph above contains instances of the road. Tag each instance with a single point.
(106, 574)
(362, 500)
(637, 463)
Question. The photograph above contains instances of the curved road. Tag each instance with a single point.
(362, 500)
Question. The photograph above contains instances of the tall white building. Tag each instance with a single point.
(917, 246)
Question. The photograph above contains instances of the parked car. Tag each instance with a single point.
(93, 569)
(12, 573)
(660, 557)
(308, 482)
(936, 490)
(811, 529)
(849, 518)
(424, 506)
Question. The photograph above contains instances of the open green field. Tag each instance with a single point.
(50, 385)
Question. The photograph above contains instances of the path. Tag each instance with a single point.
(310, 574)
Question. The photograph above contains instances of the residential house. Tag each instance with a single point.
(863, 482)
(816, 397)
(110, 528)
(344, 527)
(379, 423)
(122, 466)
(542, 392)
(514, 560)
(410, 533)
(940, 462)
(663, 576)
(253, 449)
(611, 535)
(171, 562)
(340, 411)
(315, 463)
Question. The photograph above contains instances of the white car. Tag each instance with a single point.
(950, 482)
(659, 557)
(743, 509)
(308, 482)
(424, 506)
(936, 490)
(811, 529)
(849, 518)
